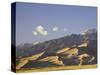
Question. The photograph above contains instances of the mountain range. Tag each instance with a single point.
(74, 49)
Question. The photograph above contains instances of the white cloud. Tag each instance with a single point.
(40, 30)
(55, 28)
(35, 33)
(44, 33)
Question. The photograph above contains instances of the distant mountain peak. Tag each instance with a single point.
(89, 31)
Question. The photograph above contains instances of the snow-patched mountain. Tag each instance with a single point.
(74, 49)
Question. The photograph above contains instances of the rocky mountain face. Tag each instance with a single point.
(75, 49)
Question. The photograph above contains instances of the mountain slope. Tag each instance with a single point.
(74, 49)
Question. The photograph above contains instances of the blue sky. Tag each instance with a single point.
(41, 22)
